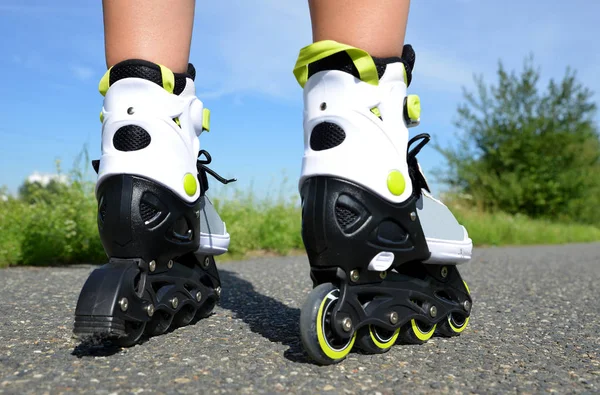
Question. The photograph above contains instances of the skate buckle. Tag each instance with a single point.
(382, 261)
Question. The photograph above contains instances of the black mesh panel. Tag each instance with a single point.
(326, 135)
(147, 211)
(135, 68)
(131, 138)
(344, 216)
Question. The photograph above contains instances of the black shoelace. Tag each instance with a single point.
(412, 153)
(203, 169)
(413, 166)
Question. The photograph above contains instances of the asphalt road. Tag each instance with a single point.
(535, 328)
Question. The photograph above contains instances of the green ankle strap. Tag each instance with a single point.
(322, 49)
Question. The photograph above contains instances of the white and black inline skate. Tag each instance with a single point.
(382, 251)
(157, 226)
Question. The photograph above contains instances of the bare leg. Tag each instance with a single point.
(376, 26)
(152, 30)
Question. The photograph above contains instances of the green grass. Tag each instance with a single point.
(60, 227)
(503, 229)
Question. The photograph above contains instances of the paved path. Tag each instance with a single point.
(535, 328)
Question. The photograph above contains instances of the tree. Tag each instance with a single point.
(526, 151)
(35, 191)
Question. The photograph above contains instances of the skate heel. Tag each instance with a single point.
(347, 226)
(139, 218)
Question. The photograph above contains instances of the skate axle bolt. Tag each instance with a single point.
(347, 324)
(130, 111)
(467, 305)
(444, 272)
(354, 276)
(383, 275)
(413, 216)
(394, 317)
(150, 310)
(123, 304)
(198, 296)
(152, 266)
(206, 262)
(170, 264)
(323, 106)
(174, 303)
(433, 311)
(218, 291)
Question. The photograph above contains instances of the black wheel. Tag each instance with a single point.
(184, 316)
(415, 332)
(134, 330)
(159, 323)
(319, 341)
(205, 309)
(374, 340)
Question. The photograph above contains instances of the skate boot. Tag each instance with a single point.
(158, 227)
(382, 251)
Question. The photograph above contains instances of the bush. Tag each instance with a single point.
(523, 151)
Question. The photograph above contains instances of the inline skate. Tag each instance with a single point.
(382, 251)
(158, 227)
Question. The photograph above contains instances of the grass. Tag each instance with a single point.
(504, 229)
(60, 227)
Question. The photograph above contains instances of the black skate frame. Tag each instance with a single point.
(409, 288)
(98, 309)
(404, 294)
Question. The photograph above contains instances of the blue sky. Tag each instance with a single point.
(244, 51)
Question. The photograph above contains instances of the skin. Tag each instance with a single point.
(156, 31)
(376, 26)
(161, 31)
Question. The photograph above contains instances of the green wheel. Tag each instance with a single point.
(455, 323)
(318, 338)
(374, 340)
(415, 332)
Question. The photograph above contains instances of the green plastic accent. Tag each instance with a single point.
(396, 183)
(101, 117)
(413, 107)
(206, 119)
(189, 184)
(322, 49)
(168, 78)
(104, 82)
(375, 110)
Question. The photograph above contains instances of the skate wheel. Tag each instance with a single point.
(134, 330)
(160, 323)
(454, 325)
(467, 287)
(415, 332)
(184, 316)
(375, 340)
(205, 309)
(319, 341)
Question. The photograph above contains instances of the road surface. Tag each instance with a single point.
(535, 327)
